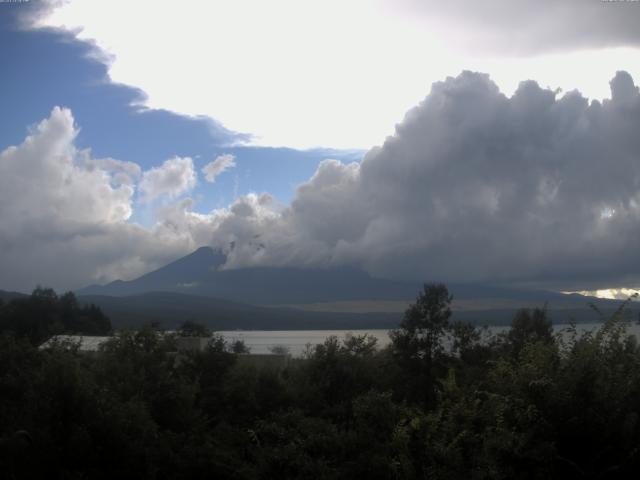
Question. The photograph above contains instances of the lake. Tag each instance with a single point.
(261, 341)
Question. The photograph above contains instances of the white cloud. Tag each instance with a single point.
(337, 73)
(219, 165)
(41, 180)
(611, 293)
(63, 215)
(473, 186)
(173, 178)
(123, 173)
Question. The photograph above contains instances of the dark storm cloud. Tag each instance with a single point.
(524, 188)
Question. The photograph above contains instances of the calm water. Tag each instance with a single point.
(261, 341)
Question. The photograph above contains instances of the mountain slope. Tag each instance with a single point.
(7, 296)
(171, 309)
(198, 278)
(199, 274)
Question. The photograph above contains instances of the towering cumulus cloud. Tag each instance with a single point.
(63, 215)
(480, 186)
(473, 186)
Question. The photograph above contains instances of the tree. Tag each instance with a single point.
(361, 345)
(424, 324)
(529, 326)
(238, 346)
(191, 328)
(279, 350)
(467, 344)
(44, 314)
(417, 343)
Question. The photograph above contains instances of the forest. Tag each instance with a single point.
(445, 400)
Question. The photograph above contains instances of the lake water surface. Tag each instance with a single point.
(261, 341)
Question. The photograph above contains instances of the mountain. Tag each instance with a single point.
(171, 309)
(200, 274)
(6, 296)
(196, 286)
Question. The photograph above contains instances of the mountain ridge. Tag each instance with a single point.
(315, 294)
(199, 273)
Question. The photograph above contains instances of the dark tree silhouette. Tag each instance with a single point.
(191, 328)
(417, 344)
(44, 314)
(529, 326)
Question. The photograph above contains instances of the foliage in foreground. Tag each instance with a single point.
(443, 401)
(44, 314)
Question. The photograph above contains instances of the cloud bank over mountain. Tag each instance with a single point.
(473, 186)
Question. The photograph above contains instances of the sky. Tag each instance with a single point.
(491, 142)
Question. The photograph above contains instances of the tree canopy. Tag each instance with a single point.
(44, 314)
(457, 402)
